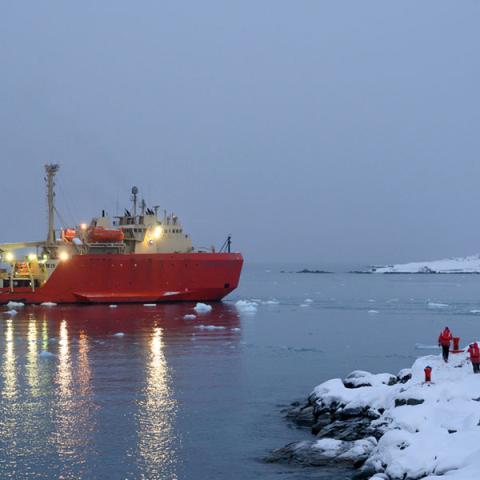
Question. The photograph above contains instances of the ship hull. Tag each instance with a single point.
(136, 278)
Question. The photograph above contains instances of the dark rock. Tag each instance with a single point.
(400, 402)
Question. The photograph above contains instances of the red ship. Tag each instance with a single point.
(136, 258)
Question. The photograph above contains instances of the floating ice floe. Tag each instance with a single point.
(210, 327)
(189, 316)
(308, 300)
(474, 311)
(11, 312)
(422, 346)
(271, 302)
(46, 354)
(113, 306)
(246, 306)
(373, 312)
(15, 304)
(303, 305)
(119, 334)
(149, 304)
(48, 304)
(437, 305)
(409, 429)
(202, 308)
(235, 329)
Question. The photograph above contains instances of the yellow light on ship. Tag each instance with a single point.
(157, 232)
(83, 226)
(32, 257)
(63, 256)
(9, 257)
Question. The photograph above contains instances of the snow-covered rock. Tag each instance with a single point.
(202, 308)
(246, 306)
(469, 264)
(408, 429)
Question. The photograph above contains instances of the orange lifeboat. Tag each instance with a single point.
(104, 235)
(69, 234)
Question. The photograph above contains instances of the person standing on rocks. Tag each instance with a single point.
(474, 352)
(444, 340)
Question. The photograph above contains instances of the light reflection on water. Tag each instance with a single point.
(78, 401)
(156, 412)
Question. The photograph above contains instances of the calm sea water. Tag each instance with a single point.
(139, 392)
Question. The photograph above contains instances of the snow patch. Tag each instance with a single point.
(202, 308)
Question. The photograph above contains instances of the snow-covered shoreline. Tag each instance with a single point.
(395, 426)
(469, 264)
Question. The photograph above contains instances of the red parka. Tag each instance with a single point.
(445, 337)
(474, 352)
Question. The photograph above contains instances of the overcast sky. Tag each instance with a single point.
(311, 130)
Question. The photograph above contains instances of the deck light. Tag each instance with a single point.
(83, 226)
(157, 232)
(32, 257)
(9, 257)
(63, 256)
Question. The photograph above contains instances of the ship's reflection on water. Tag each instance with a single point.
(90, 392)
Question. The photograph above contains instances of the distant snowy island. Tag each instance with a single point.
(469, 264)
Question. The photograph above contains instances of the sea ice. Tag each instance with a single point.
(119, 334)
(246, 306)
(210, 327)
(46, 354)
(236, 329)
(15, 304)
(189, 316)
(271, 302)
(202, 308)
(437, 305)
(308, 300)
(304, 305)
(373, 312)
(11, 312)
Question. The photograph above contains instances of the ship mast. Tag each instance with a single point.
(51, 170)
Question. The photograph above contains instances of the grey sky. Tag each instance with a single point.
(310, 130)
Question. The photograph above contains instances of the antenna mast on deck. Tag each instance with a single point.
(51, 170)
(134, 200)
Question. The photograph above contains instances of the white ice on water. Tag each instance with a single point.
(11, 312)
(15, 304)
(202, 308)
(210, 327)
(437, 439)
(246, 306)
(373, 312)
(437, 305)
(119, 334)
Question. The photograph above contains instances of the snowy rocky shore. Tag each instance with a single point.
(394, 427)
(469, 264)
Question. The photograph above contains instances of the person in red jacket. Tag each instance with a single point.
(474, 352)
(444, 340)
